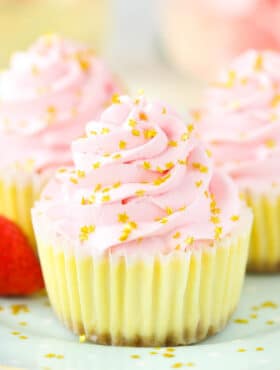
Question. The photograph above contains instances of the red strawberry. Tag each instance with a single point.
(20, 272)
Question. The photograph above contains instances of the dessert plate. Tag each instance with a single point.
(32, 338)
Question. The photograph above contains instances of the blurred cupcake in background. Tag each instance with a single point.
(47, 94)
(241, 123)
(203, 35)
(142, 242)
(23, 21)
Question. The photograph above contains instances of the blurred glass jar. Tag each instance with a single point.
(22, 21)
(200, 36)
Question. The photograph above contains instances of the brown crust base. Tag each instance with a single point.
(264, 267)
(138, 341)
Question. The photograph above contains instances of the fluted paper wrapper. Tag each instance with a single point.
(264, 253)
(173, 299)
(18, 192)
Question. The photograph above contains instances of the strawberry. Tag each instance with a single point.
(20, 272)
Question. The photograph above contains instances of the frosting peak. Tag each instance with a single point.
(140, 175)
(47, 95)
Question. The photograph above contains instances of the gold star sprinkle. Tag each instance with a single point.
(83, 61)
(146, 165)
(123, 217)
(163, 220)
(96, 165)
(177, 365)
(106, 190)
(177, 235)
(73, 180)
(218, 232)
(122, 144)
(200, 167)
(159, 169)
(132, 123)
(50, 355)
(84, 201)
(190, 128)
(215, 219)
(196, 114)
(231, 79)
(135, 356)
(117, 156)
(208, 152)
(270, 322)
(169, 210)
(275, 101)
(133, 225)
(269, 304)
(168, 355)
(169, 165)
(241, 321)
(143, 116)
(23, 337)
(234, 218)
(258, 66)
(163, 110)
(149, 133)
(123, 237)
(135, 132)
(116, 185)
(182, 161)
(85, 231)
(105, 130)
(106, 198)
(51, 110)
(98, 187)
(198, 183)
(172, 143)
(116, 99)
(253, 315)
(270, 143)
(189, 240)
(185, 136)
(241, 350)
(140, 193)
(259, 349)
(80, 173)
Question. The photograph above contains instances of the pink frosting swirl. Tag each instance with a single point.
(140, 176)
(46, 96)
(241, 119)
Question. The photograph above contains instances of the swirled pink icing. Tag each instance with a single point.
(241, 119)
(140, 179)
(47, 95)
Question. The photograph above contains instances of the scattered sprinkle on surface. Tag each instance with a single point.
(167, 354)
(241, 321)
(19, 308)
(177, 365)
(135, 357)
(241, 350)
